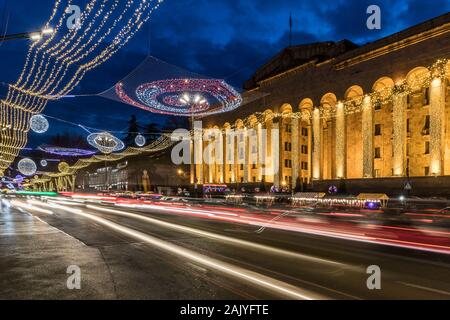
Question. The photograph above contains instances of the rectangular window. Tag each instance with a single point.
(242, 167)
(288, 163)
(304, 149)
(377, 173)
(377, 106)
(287, 146)
(305, 132)
(427, 147)
(426, 127)
(427, 171)
(378, 129)
(304, 165)
(426, 97)
(377, 153)
(288, 128)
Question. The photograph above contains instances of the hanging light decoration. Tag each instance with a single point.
(140, 140)
(44, 163)
(183, 97)
(63, 167)
(27, 167)
(67, 152)
(105, 142)
(56, 64)
(39, 124)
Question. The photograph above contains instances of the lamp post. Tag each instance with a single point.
(193, 101)
(35, 36)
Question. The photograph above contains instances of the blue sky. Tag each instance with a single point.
(218, 38)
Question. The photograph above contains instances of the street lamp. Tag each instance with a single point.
(193, 101)
(35, 36)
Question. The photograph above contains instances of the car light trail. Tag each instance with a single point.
(211, 235)
(345, 233)
(254, 278)
(29, 207)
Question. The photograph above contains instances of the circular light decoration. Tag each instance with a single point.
(44, 163)
(183, 97)
(63, 167)
(67, 152)
(27, 167)
(105, 142)
(140, 140)
(39, 124)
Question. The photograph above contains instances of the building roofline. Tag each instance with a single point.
(411, 35)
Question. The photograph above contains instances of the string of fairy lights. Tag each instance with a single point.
(438, 70)
(162, 144)
(55, 66)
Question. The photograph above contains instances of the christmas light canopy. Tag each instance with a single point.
(39, 124)
(58, 59)
(105, 142)
(183, 97)
(27, 167)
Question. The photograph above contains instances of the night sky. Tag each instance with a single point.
(227, 39)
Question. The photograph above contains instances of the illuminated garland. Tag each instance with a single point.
(55, 66)
(159, 145)
(166, 97)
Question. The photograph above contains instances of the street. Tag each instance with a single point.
(158, 253)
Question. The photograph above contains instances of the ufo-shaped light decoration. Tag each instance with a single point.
(105, 142)
(183, 97)
(27, 167)
(39, 124)
(43, 163)
(140, 140)
(67, 152)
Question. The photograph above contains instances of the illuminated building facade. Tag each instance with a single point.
(377, 111)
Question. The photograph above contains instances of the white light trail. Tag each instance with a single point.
(254, 278)
(211, 235)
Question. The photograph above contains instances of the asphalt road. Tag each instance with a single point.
(132, 254)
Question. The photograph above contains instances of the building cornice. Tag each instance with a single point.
(415, 39)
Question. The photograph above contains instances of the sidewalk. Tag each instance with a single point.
(34, 258)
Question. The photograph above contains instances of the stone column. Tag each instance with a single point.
(261, 151)
(246, 146)
(367, 137)
(192, 161)
(198, 152)
(399, 134)
(317, 145)
(437, 126)
(276, 154)
(295, 150)
(340, 141)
